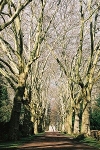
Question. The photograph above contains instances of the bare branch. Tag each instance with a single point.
(92, 13)
(8, 65)
(2, 4)
(18, 10)
(9, 78)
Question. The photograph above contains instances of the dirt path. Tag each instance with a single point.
(54, 141)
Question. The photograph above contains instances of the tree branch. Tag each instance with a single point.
(18, 10)
(8, 65)
(9, 78)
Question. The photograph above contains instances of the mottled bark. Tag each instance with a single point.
(27, 124)
(15, 115)
(85, 126)
(69, 122)
(36, 126)
(76, 123)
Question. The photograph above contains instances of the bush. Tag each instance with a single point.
(95, 116)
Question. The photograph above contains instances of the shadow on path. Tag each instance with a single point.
(54, 141)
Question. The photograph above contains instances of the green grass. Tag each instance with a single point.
(91, 141)
(9, 145)
(86, 140)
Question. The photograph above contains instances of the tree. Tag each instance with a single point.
(17, 65)
(85, 77)
(81, 79)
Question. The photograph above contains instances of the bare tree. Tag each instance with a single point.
(81, 79)
(16, 64)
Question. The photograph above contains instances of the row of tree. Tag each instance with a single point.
(33, 37)
(84, 69)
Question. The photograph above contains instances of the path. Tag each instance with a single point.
(54, 141)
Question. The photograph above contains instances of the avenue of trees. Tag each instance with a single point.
(49, 66)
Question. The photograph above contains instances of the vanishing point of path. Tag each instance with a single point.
(54, 141)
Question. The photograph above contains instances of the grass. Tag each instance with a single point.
(10, 145)
(91, 141)
(88, 140)
(14, 145)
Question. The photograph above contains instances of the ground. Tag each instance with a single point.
(54, 141)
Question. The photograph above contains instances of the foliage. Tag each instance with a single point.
(5, 107)
(95, 116)
(3, 93)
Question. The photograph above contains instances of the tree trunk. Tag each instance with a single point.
(77, 119)
(66, 125)
(85, 126)
(27, 124)
(36, 126)
(15, 115)
(63, 124)
(69, 122)
(44, 125)
(76, 123)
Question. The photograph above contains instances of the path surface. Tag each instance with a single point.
(54, 141)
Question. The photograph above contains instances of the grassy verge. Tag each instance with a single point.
(14, 145)
(88, 140)
(91, 141)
